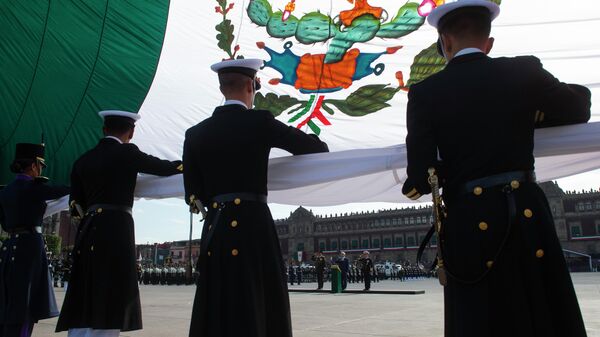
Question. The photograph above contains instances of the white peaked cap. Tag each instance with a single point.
(437, 13)
(244, 66)
(119, 113)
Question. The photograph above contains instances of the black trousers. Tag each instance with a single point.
(367, 277)
(344, 280)
(320, 279)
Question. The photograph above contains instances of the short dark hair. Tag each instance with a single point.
(117, 125)
(232, 82)
(474, 21)
(20, 165)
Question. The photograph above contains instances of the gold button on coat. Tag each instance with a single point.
(539, 253)
(208, 253)
(234, 252)
(515, 184)
(99, 210)
(92, 248)
(237, 201)
(234, 224)
(12, 258)
(528, 213)
(215, 205)
(489, 264)
(14, 247)
(477, 190)
(483, 226)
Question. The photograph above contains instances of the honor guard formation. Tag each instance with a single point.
(469, 144)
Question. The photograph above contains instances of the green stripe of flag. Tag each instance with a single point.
(65, 61)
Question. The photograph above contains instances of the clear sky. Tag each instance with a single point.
(169, 220)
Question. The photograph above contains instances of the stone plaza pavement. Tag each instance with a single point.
(167, 310)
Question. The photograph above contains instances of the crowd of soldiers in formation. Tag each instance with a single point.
(171, 274)
(60, 271)
(297, 274)
(175, 274)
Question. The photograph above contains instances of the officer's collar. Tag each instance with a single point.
(114, 138)
(229, 108)
(24, 177)
(466, 58)
(235, 102)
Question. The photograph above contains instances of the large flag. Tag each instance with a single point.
(338, 68)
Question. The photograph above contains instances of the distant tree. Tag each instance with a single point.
(53, 242)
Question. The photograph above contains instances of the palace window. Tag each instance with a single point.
(344, 244)
(410, 241)
(322, 245)
(399, 241)
(354, 244)
(334, 245)
(598, 228)
(424, 219)
(387, 242)
(300, 246)
(418, 220)
(588, 206)
(433, 240)
(365, 243)
(580, 206)
(412, 221)
(597, 204)
(375, 243)
(394, 221)
(575, 231)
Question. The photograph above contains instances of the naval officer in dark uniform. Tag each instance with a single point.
(506, 274)
(241, 288)
(26, 293)
(103, 296)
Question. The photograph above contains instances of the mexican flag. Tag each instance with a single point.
(340, 68)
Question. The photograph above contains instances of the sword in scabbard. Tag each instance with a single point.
(75, 206)
(438, 213)
(196, 207)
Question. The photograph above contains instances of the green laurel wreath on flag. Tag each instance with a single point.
(225, 36)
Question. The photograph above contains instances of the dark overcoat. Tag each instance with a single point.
(26, 293)
(103, 291)
(509, 276)
(241, 290)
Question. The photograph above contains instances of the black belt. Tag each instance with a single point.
(99, 208)
(218, 203)
(21, 230)
(233, 197)
(497, 180)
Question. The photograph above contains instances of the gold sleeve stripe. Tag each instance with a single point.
(412, 193)
(417, 196)
(539, 116)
